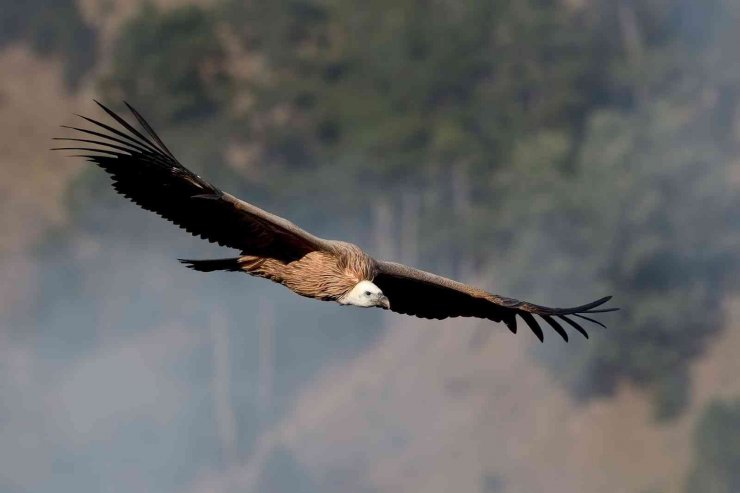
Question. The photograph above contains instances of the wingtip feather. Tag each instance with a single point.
(573, 324)
(556, 327)
(589, 319)
(603, 310)
(533, 325)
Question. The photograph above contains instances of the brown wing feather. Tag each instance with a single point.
(426, 295)
(147, 173)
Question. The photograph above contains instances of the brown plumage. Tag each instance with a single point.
(318, 274)
(144, 170)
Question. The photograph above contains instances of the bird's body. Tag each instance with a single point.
(144, 170)
(323, 275)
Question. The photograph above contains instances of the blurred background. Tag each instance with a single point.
(551, 150)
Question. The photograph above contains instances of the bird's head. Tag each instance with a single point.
(365, 294)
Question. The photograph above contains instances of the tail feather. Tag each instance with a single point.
(227, 264)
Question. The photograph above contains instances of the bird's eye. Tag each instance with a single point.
(368, 293)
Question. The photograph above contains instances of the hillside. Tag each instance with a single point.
(561, 154)
(424, 411)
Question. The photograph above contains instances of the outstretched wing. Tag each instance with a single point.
(422, 294)
(145, 171)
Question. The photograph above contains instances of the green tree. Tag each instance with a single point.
(170, 62)
(637, 218)
(394, 88)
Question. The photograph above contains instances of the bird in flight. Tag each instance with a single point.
(144, 170)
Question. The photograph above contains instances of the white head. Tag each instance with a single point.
(365, 294)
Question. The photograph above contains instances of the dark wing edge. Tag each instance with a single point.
(426, 295)
(145, 171)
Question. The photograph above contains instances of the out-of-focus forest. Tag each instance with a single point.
(551, 150)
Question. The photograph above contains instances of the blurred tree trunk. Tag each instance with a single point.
(226, 427)
(266, 363)
(383, 238)
(409, 234)
(633, 47)
(462, 209)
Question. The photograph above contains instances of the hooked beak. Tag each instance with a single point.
(384, 303)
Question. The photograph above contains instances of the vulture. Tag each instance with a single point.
(145, 171)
